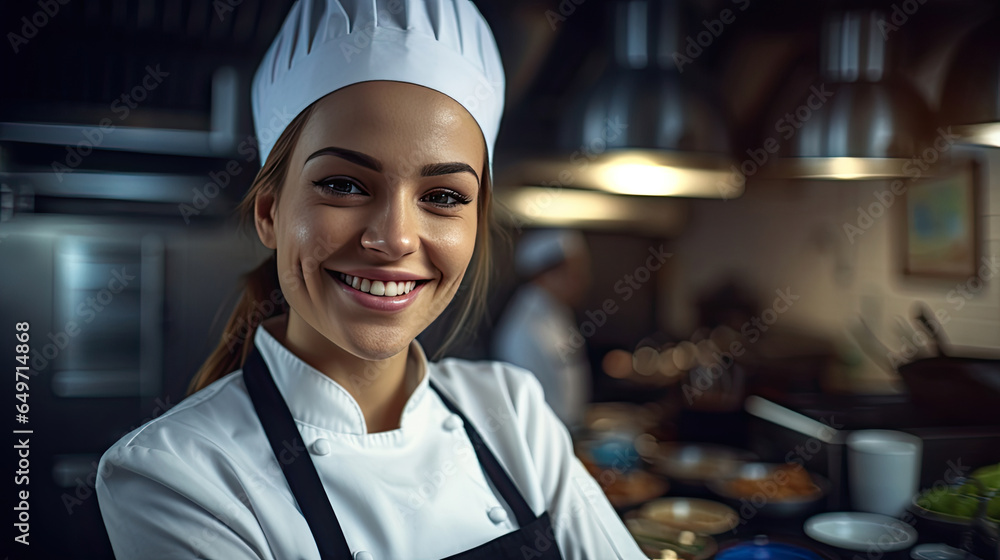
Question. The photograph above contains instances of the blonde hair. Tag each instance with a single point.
(262, 297)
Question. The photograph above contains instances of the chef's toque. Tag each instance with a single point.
(541, 249)
(324, 45)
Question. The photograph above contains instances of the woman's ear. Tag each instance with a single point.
(264, 209)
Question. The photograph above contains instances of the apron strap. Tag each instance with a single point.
(299, 471)
(494, 470)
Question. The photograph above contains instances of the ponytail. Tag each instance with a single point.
(262, 297)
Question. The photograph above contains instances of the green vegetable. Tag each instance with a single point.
(949, 502)
(989, 476)
(993, 509)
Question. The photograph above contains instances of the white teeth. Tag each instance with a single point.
(378, 287)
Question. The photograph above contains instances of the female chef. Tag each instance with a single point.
(325, 432)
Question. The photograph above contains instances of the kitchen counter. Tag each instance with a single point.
(948, 453)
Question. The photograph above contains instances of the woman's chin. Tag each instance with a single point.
(378, 346)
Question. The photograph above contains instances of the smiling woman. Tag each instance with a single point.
(319, 429)
(376, 181)
(368, 208)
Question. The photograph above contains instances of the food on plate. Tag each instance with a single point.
(692, 514)
(699, 462)
(993, 509)
(949, 501)
(989, 476)
(625, 489)
(634, 488)
(785, 482)
(656, 538)
(963, 501)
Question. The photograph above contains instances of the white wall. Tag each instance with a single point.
(790, 234)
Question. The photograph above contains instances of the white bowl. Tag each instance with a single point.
(861, 531)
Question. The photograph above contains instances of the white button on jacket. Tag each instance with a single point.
(201, 481)
(498, 515)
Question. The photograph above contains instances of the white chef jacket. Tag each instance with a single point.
(535, 333)
(201, 480)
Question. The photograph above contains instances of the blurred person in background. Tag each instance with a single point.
(538, 329)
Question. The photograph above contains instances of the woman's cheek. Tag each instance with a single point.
(456, 243)
(316, 239)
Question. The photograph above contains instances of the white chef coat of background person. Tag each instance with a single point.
(318, 429)
(537, 329)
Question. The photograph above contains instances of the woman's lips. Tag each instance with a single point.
(372, 293)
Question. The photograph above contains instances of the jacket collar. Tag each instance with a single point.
(319, 401)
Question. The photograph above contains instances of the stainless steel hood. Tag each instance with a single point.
(652, 89)
(648, 126)
(871, 121)
(971, 98)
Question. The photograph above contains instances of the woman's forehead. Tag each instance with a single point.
(394, 122)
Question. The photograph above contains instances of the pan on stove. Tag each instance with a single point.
(954, 390)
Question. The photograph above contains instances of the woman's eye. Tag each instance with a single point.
(339, 186)
(447, 198)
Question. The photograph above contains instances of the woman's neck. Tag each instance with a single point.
(380, 387)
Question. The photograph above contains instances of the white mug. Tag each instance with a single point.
(883, 469)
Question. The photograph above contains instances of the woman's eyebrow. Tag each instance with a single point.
(365, 160)
(434, 169)
(358, 158)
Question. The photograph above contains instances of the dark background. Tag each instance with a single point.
(118, 210)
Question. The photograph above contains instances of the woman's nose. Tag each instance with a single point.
(393, 231)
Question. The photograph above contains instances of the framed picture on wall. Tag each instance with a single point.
(940, 232)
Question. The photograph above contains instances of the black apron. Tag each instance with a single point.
(534, 539)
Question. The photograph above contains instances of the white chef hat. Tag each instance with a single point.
(324, 45)
(542, 249)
